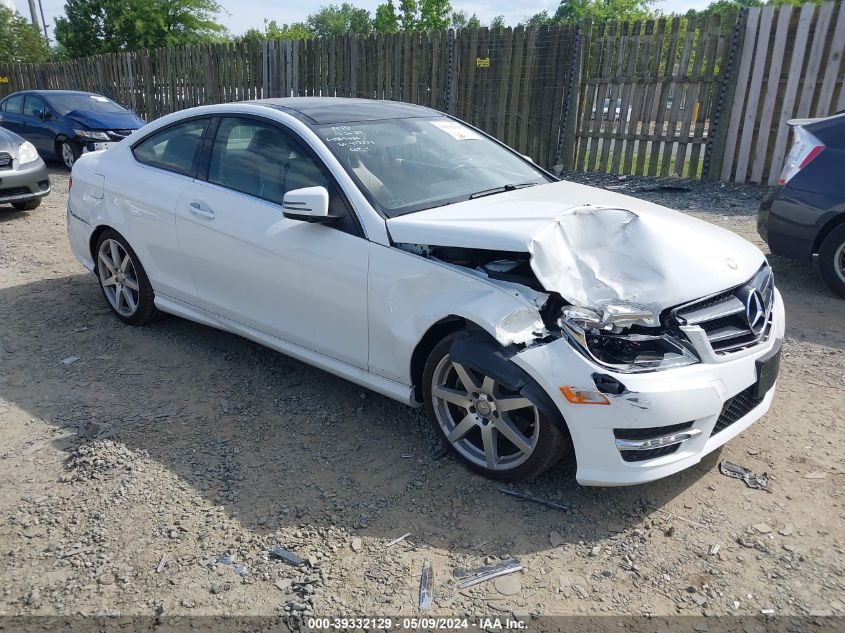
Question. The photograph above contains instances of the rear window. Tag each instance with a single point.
(174, 149)
(13, 104)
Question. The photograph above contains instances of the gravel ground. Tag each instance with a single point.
(149, 471)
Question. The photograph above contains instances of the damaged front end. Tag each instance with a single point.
(617, 336)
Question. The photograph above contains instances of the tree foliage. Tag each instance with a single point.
(90, 27)
(339, 20)
(603, 10)
(20, 41)
(386, 20)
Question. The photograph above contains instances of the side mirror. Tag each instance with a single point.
(38, 112)
(310, 204)
(47, 115)
(527, 157)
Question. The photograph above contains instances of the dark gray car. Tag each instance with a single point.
(805, 214)
(23, 175)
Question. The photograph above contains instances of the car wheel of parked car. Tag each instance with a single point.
(29, 205)
(498, 433)
(832, 260)
(123, 281)
(69, 152)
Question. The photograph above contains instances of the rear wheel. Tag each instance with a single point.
(496, 432)
(123, 280)
(29, 205)
(832, 260)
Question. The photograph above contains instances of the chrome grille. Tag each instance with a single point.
(119, 135)
(736, 318)
(5, 160)
(736, 408)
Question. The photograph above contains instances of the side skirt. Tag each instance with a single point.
(379, 384)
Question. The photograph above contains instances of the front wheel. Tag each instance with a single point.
(123, 280)
(832, 260)
(69, 152)
(29, 205)
(496, 432)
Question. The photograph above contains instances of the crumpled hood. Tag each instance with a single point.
(593, 246)
(107, 120)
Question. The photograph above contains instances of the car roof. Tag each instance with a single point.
(319, 110)
(50, 93)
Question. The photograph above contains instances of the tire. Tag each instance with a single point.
(28, 205)
(69, 152)
(125, 285)
(832, 260)
(543, 437)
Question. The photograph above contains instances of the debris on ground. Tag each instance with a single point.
(525, 497)
(290, 557)
(396, 541)
(752, 480)
(470, 577)
(426, 581)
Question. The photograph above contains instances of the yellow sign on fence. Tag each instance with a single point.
(482, 62)
(4, 79)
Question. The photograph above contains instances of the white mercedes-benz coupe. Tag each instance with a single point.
(408, 252)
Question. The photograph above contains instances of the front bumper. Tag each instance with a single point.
(24, 183)
(688, 400)
(96, 146)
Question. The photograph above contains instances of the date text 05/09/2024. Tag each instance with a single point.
(416, 623)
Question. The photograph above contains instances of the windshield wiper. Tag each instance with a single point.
(502, 189)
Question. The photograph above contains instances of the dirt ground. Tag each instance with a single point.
(149, 471)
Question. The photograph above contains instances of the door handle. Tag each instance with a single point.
(197, 209)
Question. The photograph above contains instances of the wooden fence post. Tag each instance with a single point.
(451, 97)
(714, 150)
(565, 155)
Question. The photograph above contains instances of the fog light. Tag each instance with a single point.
(583, 396)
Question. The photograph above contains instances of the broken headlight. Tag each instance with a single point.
(604, 339)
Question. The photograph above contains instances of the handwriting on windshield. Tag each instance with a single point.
(349, 138)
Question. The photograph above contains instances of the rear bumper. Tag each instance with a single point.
(79, 235)
(788, 224)
(706, 401)
(24, 183)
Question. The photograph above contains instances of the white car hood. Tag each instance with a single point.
(593, 246)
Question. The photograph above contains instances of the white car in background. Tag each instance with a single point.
(403, 250)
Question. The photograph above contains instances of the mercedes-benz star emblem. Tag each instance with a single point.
(755, 311)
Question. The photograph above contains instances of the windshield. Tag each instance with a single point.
(408, 165)
(84, 103)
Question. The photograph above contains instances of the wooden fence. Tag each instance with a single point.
(702, 98)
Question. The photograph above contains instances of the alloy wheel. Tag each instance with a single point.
(118, 277)
(68, 156)
(489, 426)
(839, 261)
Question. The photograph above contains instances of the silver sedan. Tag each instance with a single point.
(23, 175)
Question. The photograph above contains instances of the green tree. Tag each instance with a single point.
(386, 20)
(89, 27)
(459, 19)
(294, 31)
(540, 19)
(473, 22)
(497, 23)
(408, 14)
(603, 10)
(435, 14)
(338, 20)
(19, 40)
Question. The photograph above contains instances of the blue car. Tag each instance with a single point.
(63, 123)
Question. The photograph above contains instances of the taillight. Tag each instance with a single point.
(804, 150)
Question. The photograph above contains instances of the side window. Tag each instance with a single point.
(262, 160)
(32, 104)
(174, 148)
(14, 104)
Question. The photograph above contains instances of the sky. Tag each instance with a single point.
(240, 15)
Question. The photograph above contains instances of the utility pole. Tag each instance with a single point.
(43, 21)
(34, 13)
